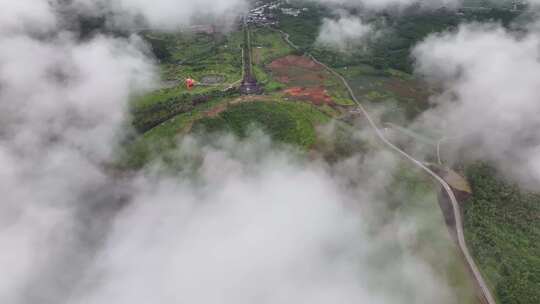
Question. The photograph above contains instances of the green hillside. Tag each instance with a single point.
(502, 224)
(292, 123)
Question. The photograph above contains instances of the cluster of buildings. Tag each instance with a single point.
(295, 12)
(262, 14)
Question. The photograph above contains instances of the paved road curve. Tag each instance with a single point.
(455, 204)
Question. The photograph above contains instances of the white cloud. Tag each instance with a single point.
(274, 231)
(78, 90)
(489, 105)
(348, 31)
(61, 103)
(165, 14)
(253, 224)
(393, 4)
(345, 33)
(25, 15)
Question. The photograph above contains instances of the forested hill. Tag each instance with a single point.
(502, 225)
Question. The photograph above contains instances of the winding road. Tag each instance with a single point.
(489, 299)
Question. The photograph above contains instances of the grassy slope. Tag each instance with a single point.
(288, 122)
(502, 225)
(403, 96)
(292, 123)
(189, 55)
(163, 138)
(204, 55)
(195, 56)
(269, 44)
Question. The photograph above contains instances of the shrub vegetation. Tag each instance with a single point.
(502, 225)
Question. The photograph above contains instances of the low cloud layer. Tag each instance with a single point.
(253, 224)
(393, 4)
(346, 32)
(163, 14)
(25, 15)
(258, 226)
(61, 104)
(39, 15)
(489, 104)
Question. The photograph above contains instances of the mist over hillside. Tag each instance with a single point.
(302, 204)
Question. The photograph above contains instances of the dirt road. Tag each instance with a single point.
(455, 205)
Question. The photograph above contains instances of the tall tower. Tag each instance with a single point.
(249, 85)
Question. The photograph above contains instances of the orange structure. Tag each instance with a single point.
(190, 83)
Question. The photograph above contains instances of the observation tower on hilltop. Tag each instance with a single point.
(249, 85)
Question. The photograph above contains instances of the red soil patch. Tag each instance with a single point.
(305, 77)
(298, 71)
(292, 60)
(318, 95)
